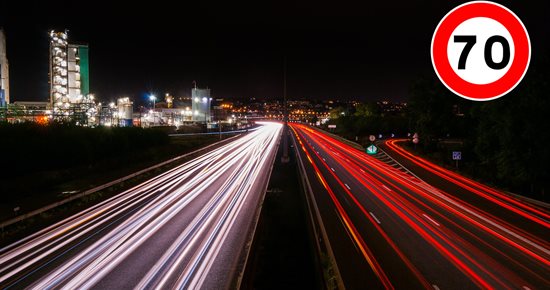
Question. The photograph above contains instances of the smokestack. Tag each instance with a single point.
(4, 71)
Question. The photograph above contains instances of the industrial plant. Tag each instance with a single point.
(71, 100)
(69, 83)
(70, 97)
(4, 72)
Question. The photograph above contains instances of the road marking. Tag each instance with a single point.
(362, 170)
(526, 288)
(430, 219)
(324, 159)
(353, 241)
(387, 188)
(332, 169)
(435, 287)
(347, 185)
(374, 217)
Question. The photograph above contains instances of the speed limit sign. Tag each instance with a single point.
(480, 50)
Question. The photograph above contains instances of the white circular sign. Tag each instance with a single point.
(476, 70)
(480, 50)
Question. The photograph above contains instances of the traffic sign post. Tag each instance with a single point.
(457, 155)
(415, 140)
(480, 50)
(372, 149)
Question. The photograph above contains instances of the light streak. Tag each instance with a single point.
(224, 182)
(411, 199)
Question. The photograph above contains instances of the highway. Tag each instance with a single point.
(391, 230)
(505, 207)
(189, 227)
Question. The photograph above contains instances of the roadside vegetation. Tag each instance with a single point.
(42, 164)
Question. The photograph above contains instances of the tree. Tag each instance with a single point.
(367, 110)
(513, 132)
(434, 111)
(337, 112)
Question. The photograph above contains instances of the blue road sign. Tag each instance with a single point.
(457, 155)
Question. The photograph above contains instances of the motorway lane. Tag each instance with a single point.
(348, 246)
(442, 241)
(517, 214)
(187, 227)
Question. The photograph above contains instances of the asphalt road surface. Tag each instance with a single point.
(389, 229)
(186, 228)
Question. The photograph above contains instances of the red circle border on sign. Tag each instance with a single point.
(461, 87)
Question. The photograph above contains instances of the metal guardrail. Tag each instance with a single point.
(214, 133)
(319, 231)
(101, 187)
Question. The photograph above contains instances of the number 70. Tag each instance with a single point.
(470, 41)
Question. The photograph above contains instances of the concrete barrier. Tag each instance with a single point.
(317, 225)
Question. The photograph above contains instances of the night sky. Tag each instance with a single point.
(365, 51)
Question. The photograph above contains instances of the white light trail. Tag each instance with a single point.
(223, 182)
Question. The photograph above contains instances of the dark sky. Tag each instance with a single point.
(366, 50)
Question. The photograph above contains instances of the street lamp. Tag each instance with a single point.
(153, 98)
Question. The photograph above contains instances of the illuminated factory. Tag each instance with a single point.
(4, 72)
(69, 79)
(200, 105)
(125, 112)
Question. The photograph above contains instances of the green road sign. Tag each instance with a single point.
(371, 150)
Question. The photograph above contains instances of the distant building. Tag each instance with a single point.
(69, 71)
(200, 105)
(4, 72)
(125, 112)
(221, 110)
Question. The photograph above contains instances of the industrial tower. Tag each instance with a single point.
(4, 72)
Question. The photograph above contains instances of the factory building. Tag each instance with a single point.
(78, 70)
(200, 105)
(4, 72)
(125, 112)
(69, 72)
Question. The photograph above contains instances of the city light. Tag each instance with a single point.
(171, 196)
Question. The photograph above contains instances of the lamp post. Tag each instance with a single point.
(153, 98)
